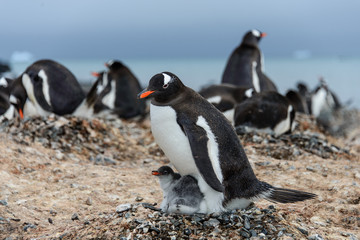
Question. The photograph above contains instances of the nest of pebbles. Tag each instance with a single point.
(145, 221)
(306, 138)
(91, 138)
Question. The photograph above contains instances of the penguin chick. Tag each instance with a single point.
(181, 193)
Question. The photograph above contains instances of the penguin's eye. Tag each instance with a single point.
(165, 86)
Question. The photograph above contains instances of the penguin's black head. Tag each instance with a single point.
(163, 87)
(252, 37)
(163, 171)
(114, 65)
(18, 96)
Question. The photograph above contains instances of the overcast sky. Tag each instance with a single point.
(177, 29)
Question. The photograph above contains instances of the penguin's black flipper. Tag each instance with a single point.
(198, 142)
(283, 195)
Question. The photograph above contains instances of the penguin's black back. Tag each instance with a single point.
(238, 70)
(127, 87)
(262, 110)
(232, 158)
(65, 91)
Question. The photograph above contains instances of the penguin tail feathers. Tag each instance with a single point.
(283, 195)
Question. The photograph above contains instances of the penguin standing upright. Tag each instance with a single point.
(181, 193)
(245, 65)
(199, 141)
(225, 96)
(122, 96)
(50, 88)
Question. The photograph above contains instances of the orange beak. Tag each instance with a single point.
(95, 74)
(21, 113)
(156, 173)
(263, 34)
(145, 94)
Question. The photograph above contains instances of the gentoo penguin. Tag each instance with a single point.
(199, 141)
(181, 193)
(323, 100)
(225, 96)
(122, 95)
(50, 88)
(266, 112)
(298, 101)
(7, 110)
(245, 65)
(92, 105)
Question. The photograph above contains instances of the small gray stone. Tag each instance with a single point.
(88, 201)
(3, 202)
(315, 237)
(123, 207)
(75, 216)
(244, 233)
(247, 223)
(212, 222)
(139, 199)
(303, 230)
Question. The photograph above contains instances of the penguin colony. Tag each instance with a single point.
(196, 131)
(47, 87)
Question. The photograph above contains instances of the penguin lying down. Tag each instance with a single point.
(181, 193)
(268, 112)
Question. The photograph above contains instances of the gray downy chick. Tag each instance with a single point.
(181, 193)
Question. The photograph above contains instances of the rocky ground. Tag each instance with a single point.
(71, 178)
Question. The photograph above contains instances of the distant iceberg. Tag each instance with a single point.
(21, 57)
(302, 54)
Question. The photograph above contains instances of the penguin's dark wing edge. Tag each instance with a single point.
(198, 142)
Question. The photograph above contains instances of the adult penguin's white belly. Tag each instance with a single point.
(172, 140)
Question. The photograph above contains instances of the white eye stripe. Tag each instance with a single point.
(13, 99)
(3, 82)
(167, 78)
(256, 33)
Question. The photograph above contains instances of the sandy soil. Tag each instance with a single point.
(41, 188)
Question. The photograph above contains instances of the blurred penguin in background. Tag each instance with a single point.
(46, 87)
(7, 110)
(268, 112)
(225, 97)
(245, 67)
(121, 92)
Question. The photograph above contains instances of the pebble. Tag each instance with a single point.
(212, 222)
(28, 225)
(139, 199)
(123, 207)
(88, 201)
(59, 155)
(315, 237)
(3, 202)
(75, 216)
(303, 230)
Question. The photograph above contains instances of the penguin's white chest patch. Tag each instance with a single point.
(171, 139)
(255, 77)
(109, 99)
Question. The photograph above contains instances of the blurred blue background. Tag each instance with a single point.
(306, 39)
